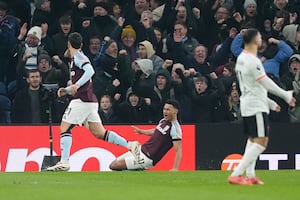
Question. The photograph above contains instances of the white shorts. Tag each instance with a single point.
(133, 164)
(79, 112)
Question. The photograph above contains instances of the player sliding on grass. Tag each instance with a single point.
(83, 108)
(166, 134)
(255, 106)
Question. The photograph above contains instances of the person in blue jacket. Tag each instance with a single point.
(272, 53)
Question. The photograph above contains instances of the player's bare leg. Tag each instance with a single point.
(118, 164)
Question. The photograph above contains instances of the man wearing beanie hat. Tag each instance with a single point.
(52, 75)
(145, 50)
(250, 7)
(27, 52)
(249, 3)
(35, 31)
(128, 31)
(294, 66)
(33, 40)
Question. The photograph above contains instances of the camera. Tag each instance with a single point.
(50, 86)
(50, 90)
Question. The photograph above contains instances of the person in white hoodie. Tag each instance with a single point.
(146, 50)
(292, 34)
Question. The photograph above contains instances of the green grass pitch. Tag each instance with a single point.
(281, 185)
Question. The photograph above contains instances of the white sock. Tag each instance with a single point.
(250, 171)
(250, 156)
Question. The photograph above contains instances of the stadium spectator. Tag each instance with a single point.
(9, 30)
(101, 24)
(30, 104)
(144, 78)
(292, 34)
(44, 15)
(51, 74)
(134, 109)
(80, 11)
(185, 115)
(146, 51)
(180, 45)
(204, 97)
(106, 110)
(60, 39)
(203, 64)
(193, 20)
(137, 21)
(218, 21)
(234, 104)
(162, 91)
(126, 38)
(25, 54)
(157, 8)
(161, 44)
(112, 71)
(228, 76)
(272, 53)
(116, 11)
(93, 48)
(46, 40)
(294, 66)
(140, 18)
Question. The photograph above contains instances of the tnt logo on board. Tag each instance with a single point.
(231, 162)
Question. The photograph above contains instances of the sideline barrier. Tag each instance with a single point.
(22, 148)
(219, 147)
(205, 147)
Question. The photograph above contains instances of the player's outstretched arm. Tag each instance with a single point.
(148, 132)
(178, 154)
(267, 83)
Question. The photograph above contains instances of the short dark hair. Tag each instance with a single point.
(32, 71)
(174, 103)
(75, 40)
(180, 23)
(65, 19)
(249, 35)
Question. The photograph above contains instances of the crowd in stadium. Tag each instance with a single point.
(144, 52)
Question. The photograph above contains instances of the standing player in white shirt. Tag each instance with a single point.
(255, 107)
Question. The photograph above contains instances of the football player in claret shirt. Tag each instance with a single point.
(166, 135)
(83, 107)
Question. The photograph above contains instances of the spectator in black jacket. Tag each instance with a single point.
(101, 24)
(134, 110)
(29, 104)
(60, 39)
(204, 96)
(106, 110)
(43, 14)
